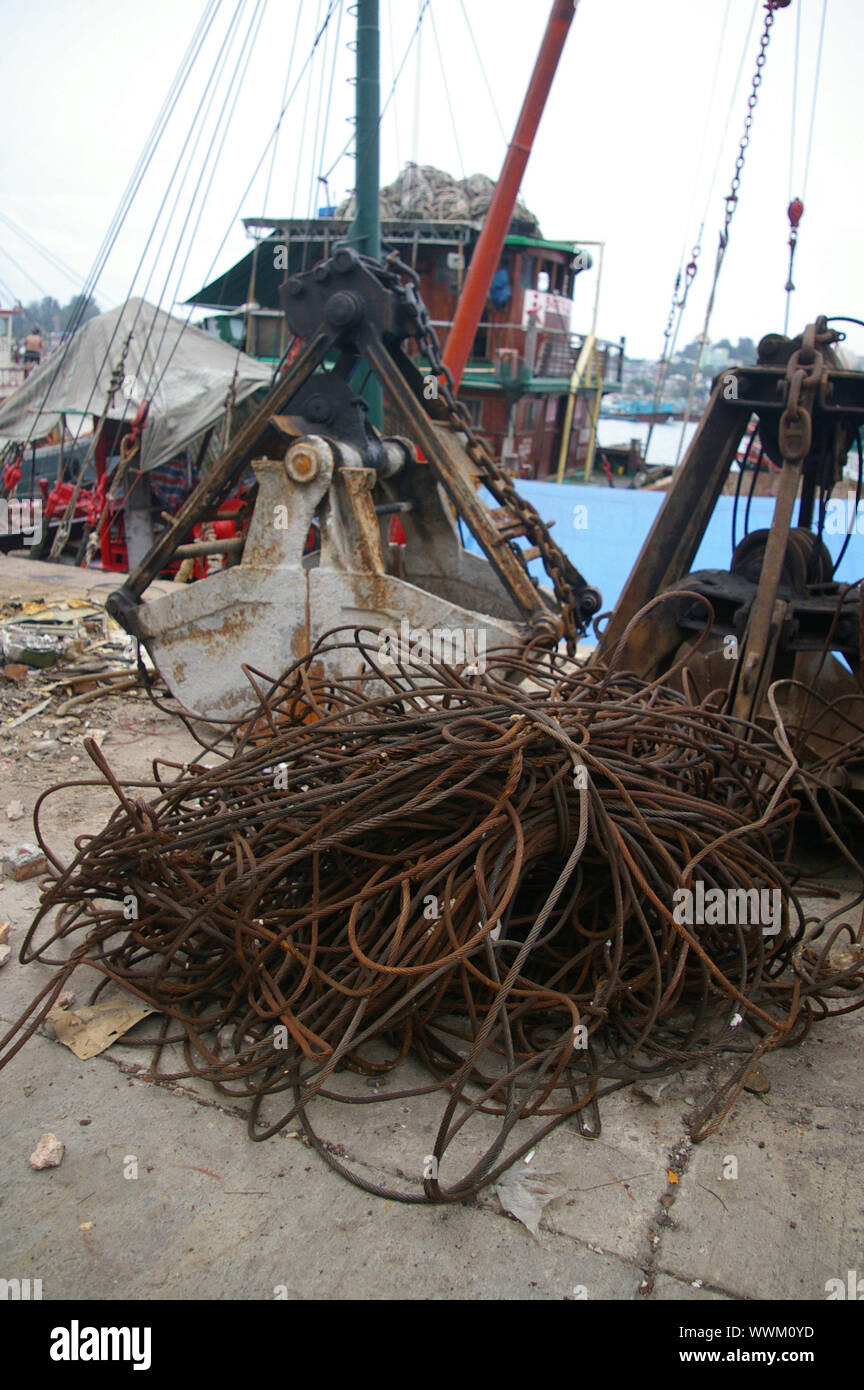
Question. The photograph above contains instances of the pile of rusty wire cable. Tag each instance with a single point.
(473, 867)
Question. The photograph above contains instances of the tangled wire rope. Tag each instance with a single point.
(486, 867)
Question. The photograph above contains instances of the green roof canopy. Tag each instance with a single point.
(235, 287)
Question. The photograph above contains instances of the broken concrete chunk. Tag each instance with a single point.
(48, 1153)
(24, 862)
(15, 810)
(16, 672)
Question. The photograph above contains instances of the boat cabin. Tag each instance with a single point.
(517, 379)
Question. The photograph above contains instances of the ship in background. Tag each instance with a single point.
(526, 361)
(12, 373)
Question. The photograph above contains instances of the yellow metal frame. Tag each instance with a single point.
(586, 360)
(595, 415)
(583, 363)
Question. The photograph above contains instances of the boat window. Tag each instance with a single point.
(268, 337)
(529, 271)
(446, 269)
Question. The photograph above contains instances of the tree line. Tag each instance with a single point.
(49, 316)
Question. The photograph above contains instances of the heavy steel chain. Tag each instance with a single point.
(804, 371)
(731, 204)
(559, 568)
(732, 195)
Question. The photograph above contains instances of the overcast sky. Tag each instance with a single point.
(626, 153)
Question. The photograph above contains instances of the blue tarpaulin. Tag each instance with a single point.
(500, 291)
(602, 530)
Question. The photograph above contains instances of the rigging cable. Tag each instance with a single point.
(175, 89)
(200, 120)
(796, 207)
(131, 329)
(235, 84)
(709, 112)
(35, 245)
(288, 71)
(447, 92)
(302, 142)
(731, 201)
(795, 210)
(225, 118)
(670, 333)
(418, 87)
(730, 111)
(416, 34)
(794, 124)
(151, 144)
(185, 323)
(25, 273)
(392, 74)
(815, 98)
(255, 172)
(688, 271)
(320, 159)
(485, 75)
(320, 115)
(63, 529)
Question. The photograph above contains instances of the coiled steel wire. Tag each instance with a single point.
(475, 866)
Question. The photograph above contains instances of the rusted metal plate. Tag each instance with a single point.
(267, 611)
(267, 618)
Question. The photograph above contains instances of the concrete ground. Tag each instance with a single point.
(161, 1194)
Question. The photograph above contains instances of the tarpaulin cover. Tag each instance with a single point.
(182, 371)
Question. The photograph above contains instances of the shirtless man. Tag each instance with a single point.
(33, 349)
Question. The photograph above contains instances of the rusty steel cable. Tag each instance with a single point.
(468, 869)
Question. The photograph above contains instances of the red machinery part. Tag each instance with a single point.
(11, 476)
(487, 252)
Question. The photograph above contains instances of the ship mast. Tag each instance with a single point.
(365, 234)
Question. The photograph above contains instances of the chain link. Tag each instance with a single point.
(566, 581)
(732, 195)
(804, 371)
